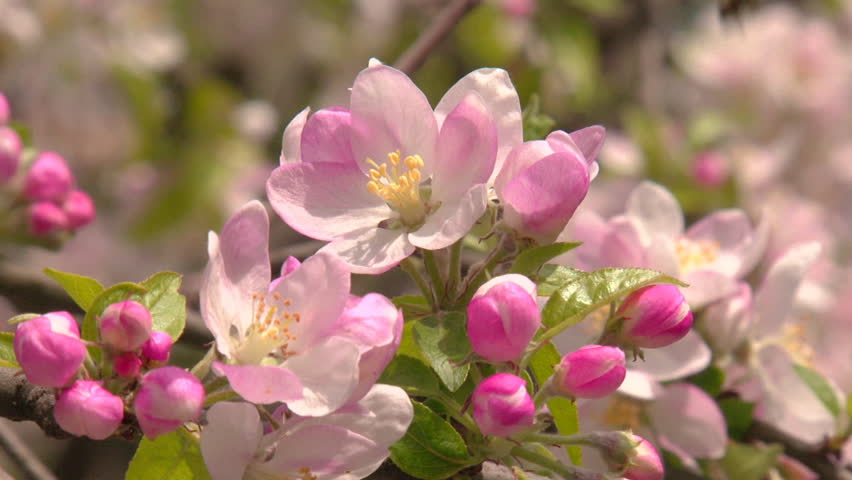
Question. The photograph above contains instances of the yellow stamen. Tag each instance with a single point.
(694, 254)
(400, 190)
(623, 413)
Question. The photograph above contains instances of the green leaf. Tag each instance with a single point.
(7, 350)
(174, 456)
(83, 290)
(553, 277)
(412, 305)
(573, 301)
(529, 261)
(536, 124)
(564, 411)
(167, 306)
(443, 341)
(22, 318)
(738, 414)
(747, 462)
(431, 449)
(710, 380)
(821, 388)
(408, 346)
(411, 375)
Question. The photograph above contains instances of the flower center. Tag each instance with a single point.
(623, 413)
(794, 341)
(399, 188)
(269, 333)
(695, 254)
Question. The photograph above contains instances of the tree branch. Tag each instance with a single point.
(412, 59)
(19, 401)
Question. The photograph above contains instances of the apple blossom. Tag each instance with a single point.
(87, 408)
(125, 326)
(45, 218)
(654, 316)
(5, 110)
(158, 347)
(593, 371)
(79, 208)
(10, 152)
(167, 397)
(127, 365)
(359, 176)
(502, 406)
(48, 178)
(503, 317)
(49, 349)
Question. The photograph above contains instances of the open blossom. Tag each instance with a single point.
(710, 256)
(390, 174)
(278, 340)
(542, 182)
(503, 317)
(347, 444)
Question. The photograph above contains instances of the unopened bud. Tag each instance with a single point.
(127, 365)
(88, 409)
(644, 462)
(593, 371)
(167, 397)
(710, 170)
(79, 208)
(49, 178)
(655, 316)
(10, 152)
(289, 266)
(502, 406)
(49, 349)
(502, 319)
(46, 218)
(158, 347)
(125, 326)
(5, 110)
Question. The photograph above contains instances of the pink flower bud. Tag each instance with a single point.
(593, 371)
(125, 326)
(168, 397)
(127, 365)
(519, 8)
(49, 349)
(710, 169)
(502, 406)
(49, 178)
(643, 461)
(289, 266)
(502, 321)
(88, 409)
(655, 316)
(79, 208)
(10, 152)
(5, 110)
(158, 347)
(46, 218)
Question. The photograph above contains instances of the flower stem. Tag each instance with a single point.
(215, 384)
(455, 268)
(408, 267)
(565, 471)
(202, 368)
(434, 274)
(220, 397)
(411, 60)
(552, 439)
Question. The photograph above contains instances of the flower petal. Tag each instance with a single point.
(590, 141)
(731, 231)
(707, 286)
(774, 298)
(639, 385)
(383, 415)
(390, 113)
(685, 416)
(519, 159)
(318, 290)
(467, 149)
(324, 200)
(324, 449)
(291, 151)
(238, 267)
(328, 373)
(326, 137)
(262, 384)
(230, 439)
(496, 90)
(655, 210)
(683, 358)
(371, 250)
(451, 221)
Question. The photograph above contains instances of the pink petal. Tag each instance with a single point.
(371, 250)
(467, 148)
(262, 384)
(501, 101)
(707, 286)
(383, 415)
(324, 449)
(328, 373)
(451, 221)
(729, 229)
(518, 159)
(621, 246)
(230, 439)
(318, 290)
(326, 136)
(687, 417)
(590, 141)
(369, 322)
(655, 210)
(390, 113)
(324, 200)
(291, 151)
(238, 267)
(640, 385)
(543, 197)
(685, 357)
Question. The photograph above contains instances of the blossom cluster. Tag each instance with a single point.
(38, 188)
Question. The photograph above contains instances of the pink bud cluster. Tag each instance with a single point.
(51, 354)
(53, 204)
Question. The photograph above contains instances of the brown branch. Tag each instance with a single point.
(413, 58)
(20, 401)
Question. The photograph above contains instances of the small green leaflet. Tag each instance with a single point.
(444, 343)
(174, 456)
(7, 350)
(431, 449)
(83, 290)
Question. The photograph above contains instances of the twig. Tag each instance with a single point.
(412, 59)
(20, 401)
(28, 462)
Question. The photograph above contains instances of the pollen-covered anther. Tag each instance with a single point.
(399, 189)
(694, 254)
(306, 474)
(623, 413)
